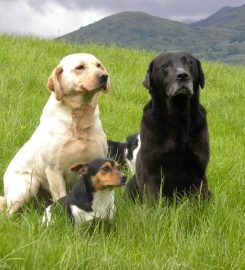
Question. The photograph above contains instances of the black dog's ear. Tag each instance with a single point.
(148, 77)
(201, 74)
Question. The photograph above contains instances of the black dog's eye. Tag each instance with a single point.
(165, 65)
(80, 67)
(189, 62)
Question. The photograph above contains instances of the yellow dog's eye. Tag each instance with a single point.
(80, 67)
(98, 65)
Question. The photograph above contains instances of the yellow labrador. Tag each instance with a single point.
(69, 133)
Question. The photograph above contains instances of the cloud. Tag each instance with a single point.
(161, 8)
(51, 19)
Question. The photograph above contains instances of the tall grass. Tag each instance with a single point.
(181, 236)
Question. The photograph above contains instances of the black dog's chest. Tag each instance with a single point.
(179, 154)
(169, 138)
(174, 147)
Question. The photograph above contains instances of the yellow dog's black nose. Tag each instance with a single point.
(103, 77)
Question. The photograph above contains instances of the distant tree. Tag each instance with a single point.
(238, 38)
(232, 50)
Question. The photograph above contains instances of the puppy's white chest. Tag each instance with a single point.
(103, 207)
(104, 204)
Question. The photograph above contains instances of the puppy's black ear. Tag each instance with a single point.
(148, 77)
(80, 169)
(201, 74)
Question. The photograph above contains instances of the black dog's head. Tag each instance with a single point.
(174, 73)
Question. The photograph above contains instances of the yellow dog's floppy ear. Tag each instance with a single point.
(53, 83)
(80, 169)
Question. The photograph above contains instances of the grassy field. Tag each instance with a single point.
(183, 236)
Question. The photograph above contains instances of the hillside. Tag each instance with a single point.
(209, 39)
(179, 236)
(135, 29)
(227, 17)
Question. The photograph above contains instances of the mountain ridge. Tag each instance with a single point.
(206, 39)
(225, 17)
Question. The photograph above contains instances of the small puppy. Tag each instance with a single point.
(125, 152)
(93, 196)
(69, 133)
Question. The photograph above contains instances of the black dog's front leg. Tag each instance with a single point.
(144, 185)
(149, 182)
(132, 189)
(202, 190)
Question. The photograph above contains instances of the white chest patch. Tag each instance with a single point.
(104, 204)
(103, 207)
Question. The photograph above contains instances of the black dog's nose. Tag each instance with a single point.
(103, 77)
(181, 76)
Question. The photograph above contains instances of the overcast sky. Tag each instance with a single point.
(52, 18)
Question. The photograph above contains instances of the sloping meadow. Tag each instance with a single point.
(186, 235)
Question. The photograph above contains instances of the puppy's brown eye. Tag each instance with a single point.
(80, 67)
(98, 65)
(106, 168)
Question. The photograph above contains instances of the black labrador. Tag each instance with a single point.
(174, 149)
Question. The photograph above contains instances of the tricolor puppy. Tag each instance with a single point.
(93, 196)
(69, 133)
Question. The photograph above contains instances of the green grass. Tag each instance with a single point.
(182, 236)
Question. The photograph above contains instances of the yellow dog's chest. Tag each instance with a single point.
(83, 150)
